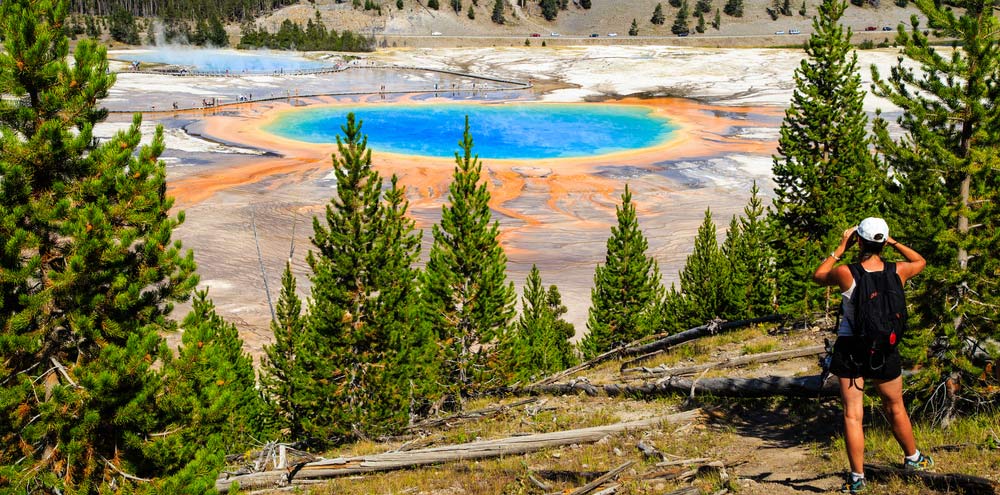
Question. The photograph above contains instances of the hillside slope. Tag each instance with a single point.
(604, 17)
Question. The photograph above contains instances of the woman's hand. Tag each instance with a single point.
(845, 242)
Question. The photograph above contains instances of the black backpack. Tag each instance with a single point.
(879, 320)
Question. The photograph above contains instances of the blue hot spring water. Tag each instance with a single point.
(509, 131)
(207, 60)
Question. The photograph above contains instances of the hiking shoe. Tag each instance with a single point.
(856, 486)
(923, 463)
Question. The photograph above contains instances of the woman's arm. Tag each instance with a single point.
(828, 274)
(914, 263)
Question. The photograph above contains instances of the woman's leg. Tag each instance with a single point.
(852, 395)
(892, 401)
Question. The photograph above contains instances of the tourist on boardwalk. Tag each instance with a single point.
(855, 356)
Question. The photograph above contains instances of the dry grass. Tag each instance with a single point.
(758, 440)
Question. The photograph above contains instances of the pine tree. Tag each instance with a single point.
(362, 292)
(466, 298)
(217, 35)
(675, 312)
(210, 398)
(550, 9)
(681, 21)
(497, 16)
(456, 5)
(717, 21)
(703, 6)
(585, 4)
(399, 4)
(627, 288)
(88, 270)
(433, 4)
(824, 174)
(675, 3)
(751, 260)
(282, 376)
(471, 14)
(700, 27)
(538, 344)
(658, 18)
(733, 8)
(802, 10)
(944, 185)
(705, 279)
(122, 27)
(633, 30)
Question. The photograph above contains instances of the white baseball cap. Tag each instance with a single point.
(873, 229)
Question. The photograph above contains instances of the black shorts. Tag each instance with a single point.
(851, 361)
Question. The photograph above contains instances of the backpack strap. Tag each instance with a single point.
(889, 267)
(856, 272)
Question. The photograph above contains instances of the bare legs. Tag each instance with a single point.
(852, 396)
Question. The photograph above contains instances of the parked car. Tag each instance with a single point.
(682, 34)
(887, 28)
(594, 35)
(553, 34)
(871, 28)
(779, 32)
(436, 33)
(794, 31)
(536, 35)
(612, 34)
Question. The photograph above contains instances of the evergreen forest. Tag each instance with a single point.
(94, 401)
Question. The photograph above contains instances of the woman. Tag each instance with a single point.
(848, 361)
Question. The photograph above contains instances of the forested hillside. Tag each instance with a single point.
(230, 10)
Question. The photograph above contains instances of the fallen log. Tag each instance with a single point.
(343, 466)
(766, 357)
(653, 348)
(593, 485)
(966, 483)
(767, 386)
(638, 346)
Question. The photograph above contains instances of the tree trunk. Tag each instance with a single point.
(766, 357)
(663, 342)
(769, 386)
(344, 466)
(648, 350)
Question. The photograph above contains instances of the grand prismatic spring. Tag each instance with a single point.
(556, 153)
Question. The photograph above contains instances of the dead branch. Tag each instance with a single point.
(477, 414)
(123, 473)
(973, 485)
(684, 462)
(662, 341)
(541, 485)
(589, 487)
(343, 466)
(611, 490)
(649, 450)
(766, 357)
(653, 348)
(766, 386)
(688, 490)
(62, 371)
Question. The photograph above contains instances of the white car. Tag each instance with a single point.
(794, 31)
(612, 35)
(553, 34)
(436, 33)
(779, 32)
